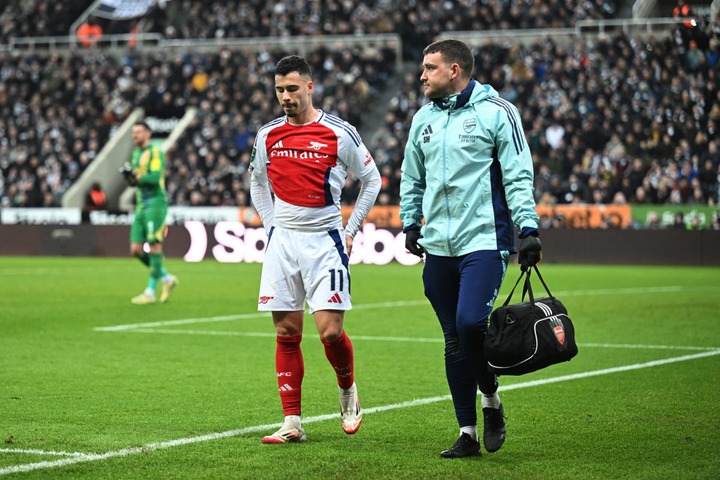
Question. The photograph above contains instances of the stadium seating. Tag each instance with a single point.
(207, 164)
(417, 22)
(59, 110)
(629, 119)
(39, 18)
(625, 119)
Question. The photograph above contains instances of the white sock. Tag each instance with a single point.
(167, 278)
(490, 401)
(149, 292)
(292, 421)
(349, 390)
(470, 430)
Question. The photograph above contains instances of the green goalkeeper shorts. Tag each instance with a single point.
(148, 226)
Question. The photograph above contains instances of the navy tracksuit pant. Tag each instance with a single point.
(462, 291)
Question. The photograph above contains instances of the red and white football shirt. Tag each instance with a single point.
(306, 166)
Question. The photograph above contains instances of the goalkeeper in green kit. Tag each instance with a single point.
(146, 171)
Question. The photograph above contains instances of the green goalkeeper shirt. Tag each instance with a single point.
(150, 163)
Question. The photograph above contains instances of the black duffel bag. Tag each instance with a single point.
(528, 336)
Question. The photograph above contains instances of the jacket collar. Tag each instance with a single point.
(454, 102)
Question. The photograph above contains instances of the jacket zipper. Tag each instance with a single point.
(445, 193)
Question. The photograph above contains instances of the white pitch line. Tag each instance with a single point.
(218, 333)
(258, 428)
(185, 321)
(647, 347)
(606, 371)
(32, 451)
(221, 333)
(400, 303)
(63, 271)
(620, 291)
(243, 316)
(368, 306)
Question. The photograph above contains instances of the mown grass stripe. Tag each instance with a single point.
(222, 333)
(81, 458)
(369, 306)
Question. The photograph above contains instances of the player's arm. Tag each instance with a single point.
(517, 172)
(360, 162)
(412, 183)
(260, 193)
(154, 172)
(517, 169)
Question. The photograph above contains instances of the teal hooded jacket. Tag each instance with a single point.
(468, 174)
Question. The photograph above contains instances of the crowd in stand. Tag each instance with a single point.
(38, 18)
(417, 21)
(627, 120)
(56, 112)
(52, 18)
(208, 163)
(621, 120)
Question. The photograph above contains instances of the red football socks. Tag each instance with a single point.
(290, 371)
(340, 355)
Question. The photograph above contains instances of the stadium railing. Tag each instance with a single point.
(584, 28)
(303, 44)
(64, 42)
(628, 26)
(155, 41)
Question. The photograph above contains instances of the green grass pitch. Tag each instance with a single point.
(92, 386)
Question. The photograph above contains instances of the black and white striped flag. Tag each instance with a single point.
(122, 9)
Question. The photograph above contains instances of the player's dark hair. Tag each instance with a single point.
(454, 51)
(143, 124)
(293, 63)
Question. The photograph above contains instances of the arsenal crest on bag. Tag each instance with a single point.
(531, 335)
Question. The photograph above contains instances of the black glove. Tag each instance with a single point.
(129, 175)
(411, 242)
(530, 251)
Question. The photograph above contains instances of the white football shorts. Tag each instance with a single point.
(301, 267)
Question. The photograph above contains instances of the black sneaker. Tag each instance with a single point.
(494, 428)
(465, 446)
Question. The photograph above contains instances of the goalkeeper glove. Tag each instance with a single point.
(129, 175)
(412, 235)
(530, 251)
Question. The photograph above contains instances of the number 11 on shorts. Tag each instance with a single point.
(340, 275)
